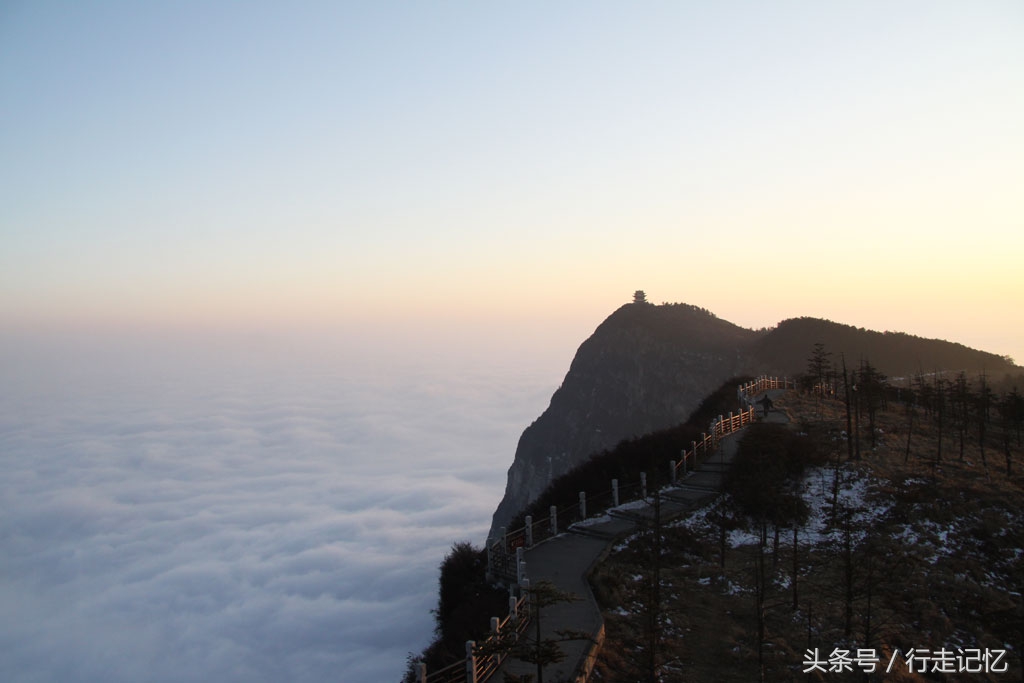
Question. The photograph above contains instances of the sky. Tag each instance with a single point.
(282, 283)
(488, 170)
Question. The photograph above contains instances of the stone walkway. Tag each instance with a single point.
(567, 559)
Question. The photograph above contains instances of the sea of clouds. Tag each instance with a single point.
(167, 516)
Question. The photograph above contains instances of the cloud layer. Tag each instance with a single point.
(269, 523)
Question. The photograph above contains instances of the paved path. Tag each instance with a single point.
(565, 560)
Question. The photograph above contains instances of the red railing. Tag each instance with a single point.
(483, 667)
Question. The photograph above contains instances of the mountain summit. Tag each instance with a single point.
(647, 367)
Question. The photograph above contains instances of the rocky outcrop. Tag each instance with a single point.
(645, 368)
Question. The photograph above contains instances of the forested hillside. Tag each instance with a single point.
(914, 549)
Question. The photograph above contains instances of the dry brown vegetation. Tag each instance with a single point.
(918, 552)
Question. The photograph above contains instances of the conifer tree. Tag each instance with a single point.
(533, 647)
(961, 399)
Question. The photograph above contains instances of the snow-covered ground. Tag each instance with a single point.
(855, 493)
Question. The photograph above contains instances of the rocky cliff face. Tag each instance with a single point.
(645, 368)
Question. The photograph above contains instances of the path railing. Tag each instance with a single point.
(505, 552)
(688, 459)
(480, 668)
(762, 384)
(503, 548)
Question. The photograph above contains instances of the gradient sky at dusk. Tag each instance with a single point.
(518, 166)
(282, 283)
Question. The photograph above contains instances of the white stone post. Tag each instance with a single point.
(520, 565)
(421, 673)
(512, 609)
(470, 662)
(554, 521)
(495, 622)
(583, 504)
(529, 531)
(615, 493)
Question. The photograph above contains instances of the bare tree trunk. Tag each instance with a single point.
(940, 411)
(984, 404)
(835, 489)
(848, 572)
(856, 425)
(775, 548)
(868, 635)
(1006, 451)
(759, 582)
(540, 661)
(910, 430)
(849, 425)
(721, 539)
(654, 615)
(810, 612)
(796, 565)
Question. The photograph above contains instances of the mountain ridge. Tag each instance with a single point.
(647, 367)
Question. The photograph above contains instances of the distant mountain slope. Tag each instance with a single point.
(645, 368)
(786, 349)
(648, 367)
